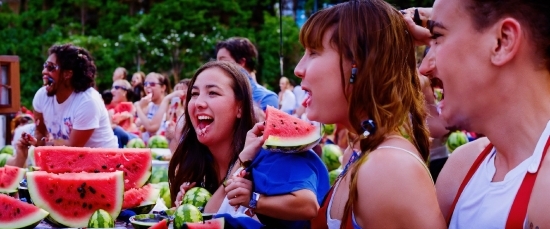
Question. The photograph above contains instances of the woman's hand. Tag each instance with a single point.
(183, 188)
(144, 102)
(420, 33)
(254, 141)
(239, 190)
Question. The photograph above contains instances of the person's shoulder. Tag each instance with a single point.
(453, 173)
(41, 93)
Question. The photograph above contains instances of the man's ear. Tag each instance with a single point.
(509, 36)
(67, 74)
(242, 62)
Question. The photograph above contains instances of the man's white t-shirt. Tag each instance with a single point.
(288, 104)
(81, 111)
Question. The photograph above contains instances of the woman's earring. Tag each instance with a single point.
(353, 73)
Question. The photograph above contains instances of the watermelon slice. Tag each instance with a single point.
(208, 224)
(10, 176)
(18, 214)
(72, 198)
(161, 225)
(135, 163)
(145, 196)
(288, 134)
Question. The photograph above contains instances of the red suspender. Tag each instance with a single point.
(518, 211)
(516, 217)
(467, 179)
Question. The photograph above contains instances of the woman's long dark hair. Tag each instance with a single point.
(193, 161)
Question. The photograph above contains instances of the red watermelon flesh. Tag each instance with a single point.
(135, 163)
(160, 225)
(72, 198)
(208, 224)
(10, 176)
(18, 214)
(140, 196)
(288, 133)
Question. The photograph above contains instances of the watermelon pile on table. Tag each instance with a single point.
(288, 134)
(72, 183)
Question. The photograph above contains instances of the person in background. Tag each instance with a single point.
(122, 119)
(177, 109)
(120, 73)
(67, 109)
(241, 51)
(287, 100)
(137, 83)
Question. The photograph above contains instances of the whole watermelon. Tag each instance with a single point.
(4, 158)
(8, 149)
(332, 175)
(197, 197)
(186, 213)
(158, 141)
(165, 193)
(160, 174)
(101, 219)
(328, 129)
(455, 140)
(331, 156)
(135, 143)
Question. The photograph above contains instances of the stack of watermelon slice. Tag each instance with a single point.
(72, 183)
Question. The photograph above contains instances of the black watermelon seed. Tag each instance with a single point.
(80, 189)
(295, 123)
(82, 195)
(118, 166)
(108, 205)
(18, 211)
(58, 200)
(296, 128)
(83, 184)
(51, 191)
(90, 206)
(104, 166)
(96, 171)
(92, 190)
(84, 205)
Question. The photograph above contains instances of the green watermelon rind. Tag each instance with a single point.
(455, 140)
(13, 187)
(193, 216)
(292, 145)
(192, 195)
(60, 221)
(101, 219)
(136, 143)
(27, 222)
(4, 158)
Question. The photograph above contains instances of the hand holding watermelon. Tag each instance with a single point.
(183, 188)
(254, 142)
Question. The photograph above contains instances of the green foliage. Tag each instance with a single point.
(172, 37)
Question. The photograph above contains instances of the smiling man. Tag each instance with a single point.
(241, 51)
(493, 58)
(68, 109)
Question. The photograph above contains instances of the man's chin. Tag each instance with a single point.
(50, 93)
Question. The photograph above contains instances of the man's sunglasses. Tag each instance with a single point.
(50, 67)
(150, 84)
(119, 87)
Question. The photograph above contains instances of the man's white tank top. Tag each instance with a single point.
(486, 204)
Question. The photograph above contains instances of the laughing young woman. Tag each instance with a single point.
(360, 62)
